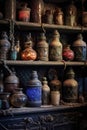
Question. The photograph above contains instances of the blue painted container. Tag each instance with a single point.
(34, 91)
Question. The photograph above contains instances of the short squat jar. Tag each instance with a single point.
(18, 98)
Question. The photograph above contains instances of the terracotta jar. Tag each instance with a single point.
(70, 87)
(34, 90)
(45, 92)
(55, 47)
(79, 48)
(4, 100)
(28, 53)
(18, 98)
(4, 46)
(71, 15)
(24, 13)
(58, 16)
(42, 48)
(68, 54)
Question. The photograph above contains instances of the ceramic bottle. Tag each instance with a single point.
(45, 92)
(55, 47)
(42, 48)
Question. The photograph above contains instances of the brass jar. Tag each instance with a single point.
(70, 87)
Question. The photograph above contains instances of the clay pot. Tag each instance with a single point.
(18, 98)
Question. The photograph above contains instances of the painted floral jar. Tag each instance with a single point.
(34, 90)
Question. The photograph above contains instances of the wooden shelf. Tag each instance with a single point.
(45, 63)
(30, 25)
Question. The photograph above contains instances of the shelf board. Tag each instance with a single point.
(45, 63)
(30, 25)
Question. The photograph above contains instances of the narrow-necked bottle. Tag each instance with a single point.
(45, 92)
(42, 48)
(55, 47)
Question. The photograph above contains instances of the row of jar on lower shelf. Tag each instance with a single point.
(38, 93)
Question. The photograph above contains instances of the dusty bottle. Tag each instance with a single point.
(4, 46)
(11, 81)
(55, 47)
(45, 92)
(70, 87)
(34, 90)
(42, 48)
(71, 15)
(79, 48)
(58, 16)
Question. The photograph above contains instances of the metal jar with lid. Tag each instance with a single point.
(70, 86)
(79, 48)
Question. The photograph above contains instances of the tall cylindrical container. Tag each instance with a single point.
(55, 47)
(34, 90)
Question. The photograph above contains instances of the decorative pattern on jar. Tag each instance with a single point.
(34, 91)
(42, 48)
(55, 47)
(70, 87)
(79, 48)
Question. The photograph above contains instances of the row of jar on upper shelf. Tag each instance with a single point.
(39, 12)
(42, 50)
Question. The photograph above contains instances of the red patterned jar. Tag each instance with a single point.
(24, 13)
(68, 54)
